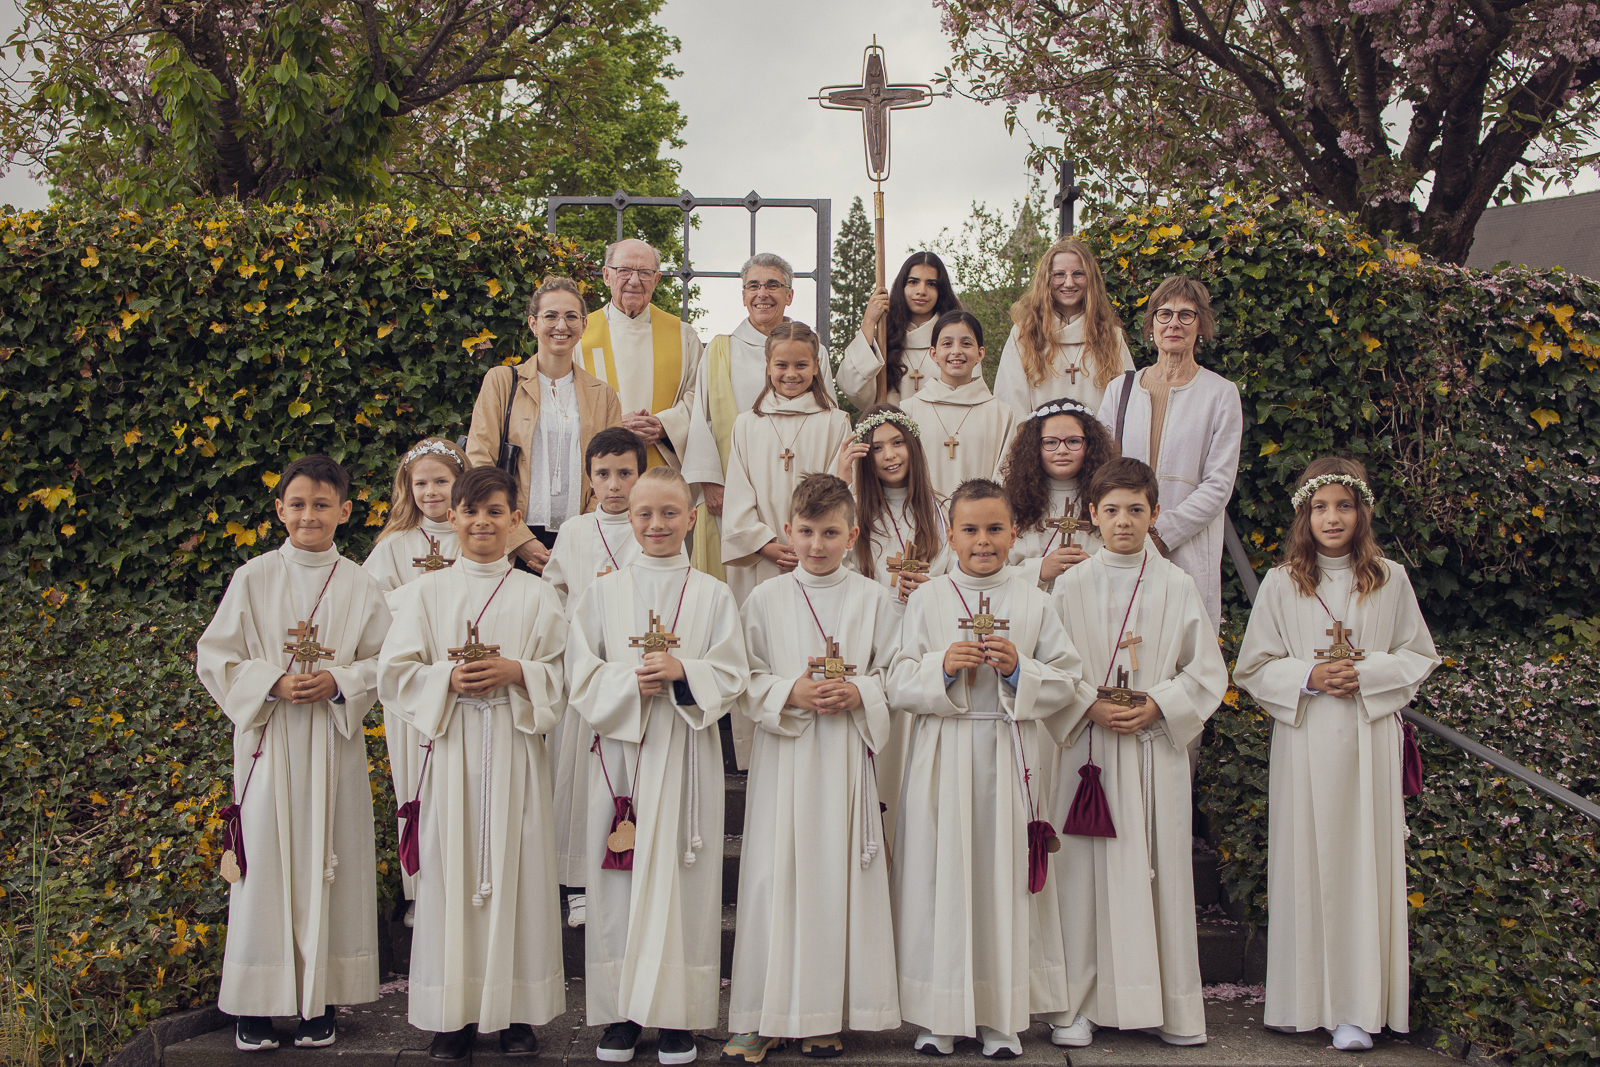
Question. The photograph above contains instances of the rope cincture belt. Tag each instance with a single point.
(1146, 738)
(486, 706)
(1016, 738)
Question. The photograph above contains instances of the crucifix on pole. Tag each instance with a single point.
(1067, 198)
(875, 98)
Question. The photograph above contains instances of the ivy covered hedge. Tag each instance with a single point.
(156, 372)
(1505, 886)
(1470, 395)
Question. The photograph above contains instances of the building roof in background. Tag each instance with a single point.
(1563, 231)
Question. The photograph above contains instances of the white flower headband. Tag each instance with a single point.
(1305, 492)
(872, 422)
(431, 448)
(1071, 407)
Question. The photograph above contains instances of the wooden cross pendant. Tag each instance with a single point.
(1128, 642)
(907, 563)
(1074, 370)
(1066, 526)
(433, 561)
(474, 649)
(786, 455)
(916, 377)
(603, 573)
(983, 624)
(1341, 647)
(655, 639)
(307, 651)
(1120, 694)
(831, 665)
(951, 443)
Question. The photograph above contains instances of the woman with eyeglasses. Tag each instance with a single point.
(1067, 341)
(1055, 452)
(1186, 422)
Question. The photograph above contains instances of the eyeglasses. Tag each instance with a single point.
(1055, 444)
(644, 274)
(1058, 277)
(1186, 317)
(767, 287)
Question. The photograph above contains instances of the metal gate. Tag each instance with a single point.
(688, 204)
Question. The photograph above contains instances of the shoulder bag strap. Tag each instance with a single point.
(1122, 403)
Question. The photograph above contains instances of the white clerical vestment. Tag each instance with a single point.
(1030, 548)
(1337, 949)
(975, 948)
(815, 944)
(631, 368)
(1071, 374)
(486, 947)
(392, 563)
(654, 934)
(965, 432)
(303, 922)
(1127, 903)
(859, 367)
(588, 546)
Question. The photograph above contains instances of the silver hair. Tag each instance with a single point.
(771, 261)
(612, 247)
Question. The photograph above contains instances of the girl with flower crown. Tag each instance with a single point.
(1335, 649)
(900, 515)
(1055, 452)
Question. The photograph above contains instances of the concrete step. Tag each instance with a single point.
(377, 1035)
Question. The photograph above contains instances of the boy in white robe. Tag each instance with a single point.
(815, 941)
(1127, 902)
(655, 656)
(977, 953)
(965, 430)
(1337, 953)
(473, 663)
(302, 932)
(588, 546)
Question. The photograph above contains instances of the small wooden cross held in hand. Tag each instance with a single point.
(1068, 525)
(908, 563)
(1120, 694)
(307, 651)
(786, 455)
(983, 624)
(1128, 642)
(433, 561)
(474, 649)
(831, 664)
(1341, 647)
(655, 639)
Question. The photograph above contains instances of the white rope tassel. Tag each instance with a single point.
(1147, 784)
(869, 829)
(485, 886)
(694, 799)
(330, 859)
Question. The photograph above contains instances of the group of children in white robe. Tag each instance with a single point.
(969, 795)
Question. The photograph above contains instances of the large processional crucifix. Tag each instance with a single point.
(875, 98)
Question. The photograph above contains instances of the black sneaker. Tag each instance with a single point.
(254, 1033)
(316, 1033)
(518, 1039)
(618, 1042)
(453, 1044)
(676, 1046)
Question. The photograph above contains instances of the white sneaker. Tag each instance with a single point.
(999, 1045)
(411, 914)
(1078, 1035)
(577, 906)
(1347, 1038)
(934, 1044)
(1176, 1039)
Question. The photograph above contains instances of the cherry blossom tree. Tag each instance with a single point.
(1414, 115)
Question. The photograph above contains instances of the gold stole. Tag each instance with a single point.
(596, 356)
(723, 409)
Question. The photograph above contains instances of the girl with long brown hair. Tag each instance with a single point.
(1067, 339)
(1335, 650)
(899, 514)
(1054, 454)
(919, 294)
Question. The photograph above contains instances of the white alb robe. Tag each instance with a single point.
(759, 490)
(588, 544)
(1337, 949)
(1028, 552)
(1011, 382)
(974, 947)
(653, 936)
(1132, 953)
(391, 565)
(980, 424)
(632, 373)
(815, 944)
(486, 947)
(859, 367)
(303, 922)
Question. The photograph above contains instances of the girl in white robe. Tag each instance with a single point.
(965, 429)
(1047, 469)
(920, 293)
(653, 936)
(416, 540)
(1337, 952)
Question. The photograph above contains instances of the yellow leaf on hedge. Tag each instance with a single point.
(67, 529)
(246, 269)
(129, 318)
(1415, 900)
(375, 516)
(386, 329)
(1231, 698)
(211, 422)
(113, 333)
(270, 479)
(1544, 417)
(96, 798)
(1508, 923)
(445, 230)
(481, 338)
(217, 327)
(216, 262)
(362, 420)
(364, 494)
(1537, 512)
(298, 408)
(300, 272)
(55, 497)
(91, 257)
(493, 286)
(1269, 448)
(132, 437)
(473, 237)
(1370, 341)
(411, 224)
(242, 535)
(1563, 315)
(263, 527)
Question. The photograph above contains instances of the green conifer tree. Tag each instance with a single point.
(854, 277)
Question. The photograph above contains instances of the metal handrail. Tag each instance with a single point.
(1532, 779)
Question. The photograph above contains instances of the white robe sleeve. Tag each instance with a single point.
(873, 719)
(858, 372)
(1210, 498)
(538, 704)
(675, 419)
(1389, 680)
(1010, 380)
(240, 685)
(766, 699)
(702, 462)
(1190, 697)
(358, 679)
(916, 678)
(411, 683)
(382, 566)
(743, 532)
(718, 677)
(1047, 680)
(1265, 668)
(560, 565)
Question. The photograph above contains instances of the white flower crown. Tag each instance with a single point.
(431, 448)
(865, 427)
(1305, 492)
(1071, 407)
